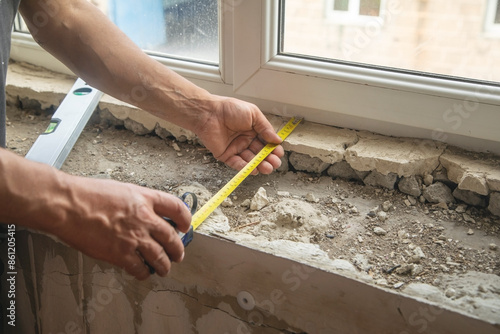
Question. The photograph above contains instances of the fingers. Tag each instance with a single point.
(154, 254)
(264, 129)
(265, 167)
(159, 243)
(172, 207)
(135, 266)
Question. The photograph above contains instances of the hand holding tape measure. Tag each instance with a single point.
(205, 211)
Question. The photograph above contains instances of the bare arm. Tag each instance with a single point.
(84, 39)
(107, 220)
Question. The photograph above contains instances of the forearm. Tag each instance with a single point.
(31, 194)
(97, 51)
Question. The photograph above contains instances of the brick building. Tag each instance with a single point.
(452, 37)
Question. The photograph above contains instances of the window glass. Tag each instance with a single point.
(444, 37)
(178, 28)
(342, 5)
(369, 7)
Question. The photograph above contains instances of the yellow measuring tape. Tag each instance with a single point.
(218, 198)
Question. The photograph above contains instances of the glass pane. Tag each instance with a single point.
(369, 7)
(444, 37)
(180, 28)
(342, 5)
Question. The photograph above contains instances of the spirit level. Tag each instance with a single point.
(54, 145)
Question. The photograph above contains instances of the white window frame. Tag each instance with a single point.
(461, 113)
(351, 16)
(491, 28)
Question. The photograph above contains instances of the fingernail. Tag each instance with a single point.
(182, 257)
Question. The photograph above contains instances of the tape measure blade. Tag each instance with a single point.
(223, 193)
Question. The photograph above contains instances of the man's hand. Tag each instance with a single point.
(236, 131)
(116, 222)
(121, 224)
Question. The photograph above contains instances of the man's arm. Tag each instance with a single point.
(108, 220)
(84, 39)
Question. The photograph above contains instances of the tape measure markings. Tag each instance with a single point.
(223, 193)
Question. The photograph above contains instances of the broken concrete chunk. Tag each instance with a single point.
(438, 193)
(401, 156)
(469, 197)
(379, 231)
(304, 162)
(311, 198)
(428, 179)
(260, 200)
(136, 127)
(377, 179)
(494, 206)
(472, 172)
(343, 170)
(382, 216)
(176, 147)
(161, 132)
(409, 185)
(227, 203)
(386, 206)
(475, 183)
(320, 141)
(419, 253)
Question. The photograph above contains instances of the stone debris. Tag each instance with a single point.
(386, 206)
(398, 285)
(311, 198)
(377, 179)
(494, 206)
(260, 200)
(470, 173)
(343, 170)
(419, 253)
(469, 197)
(176, 147)
(227, 203)
(493, 247)
(379, 231)
(410, 185)
(382, 216)
(304, 162)
(428, 179)
(438, 193)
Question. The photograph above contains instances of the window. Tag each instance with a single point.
(352, 12)
(290, 58)
(187, 29)
(492, 20)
